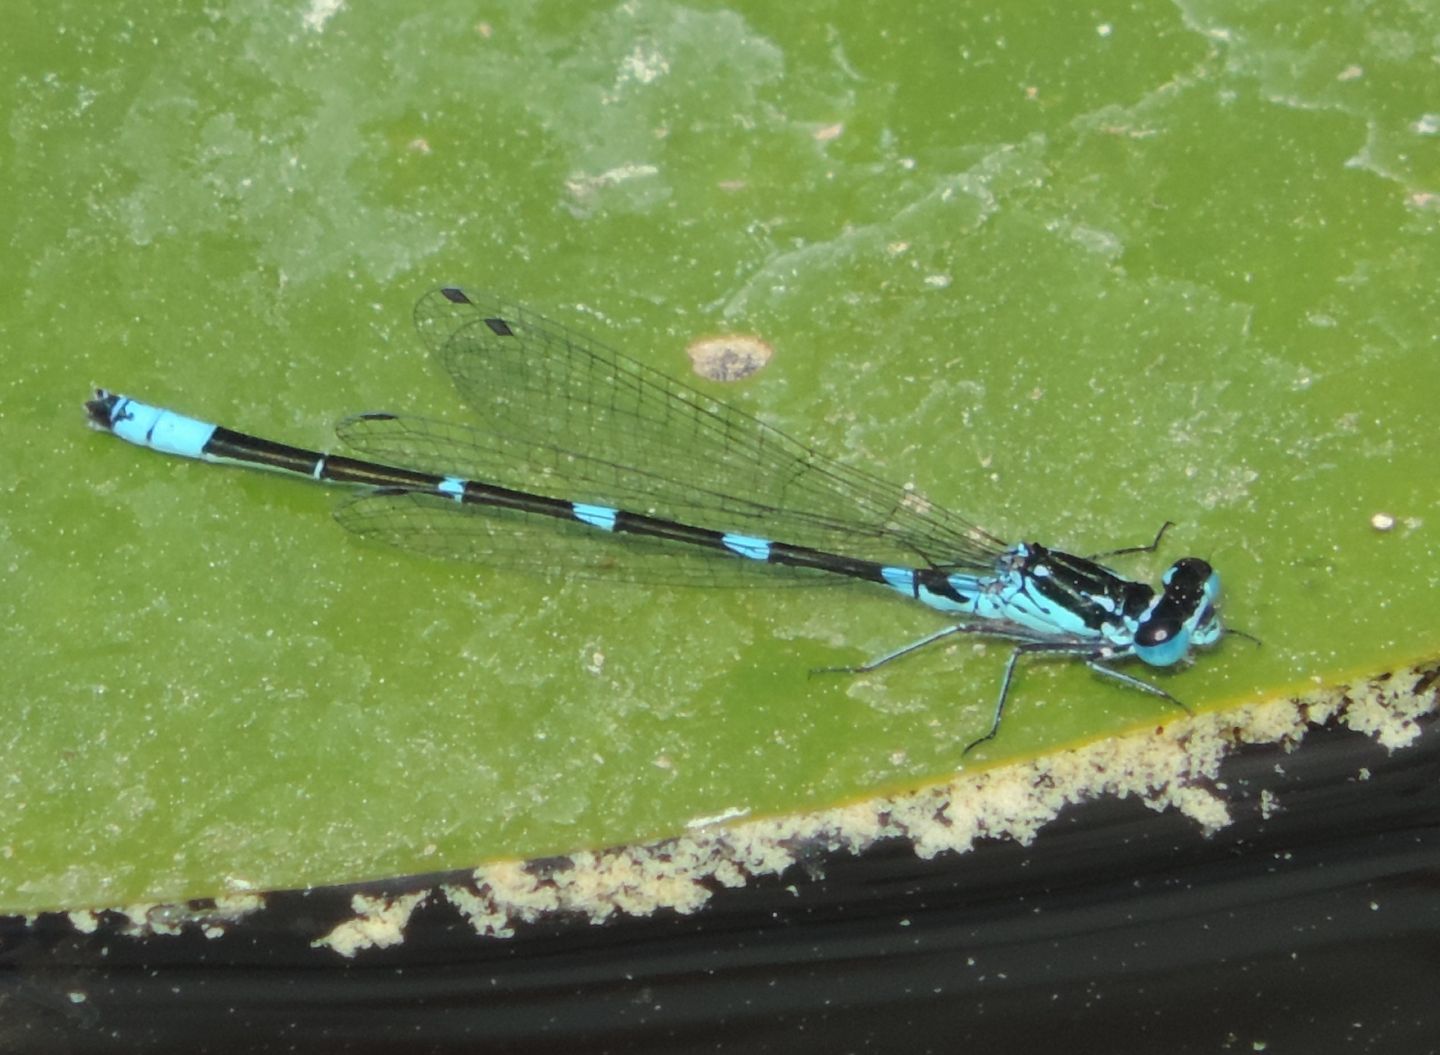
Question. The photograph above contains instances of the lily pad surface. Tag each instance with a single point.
(1072, 273)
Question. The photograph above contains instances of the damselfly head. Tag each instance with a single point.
(1184, 616)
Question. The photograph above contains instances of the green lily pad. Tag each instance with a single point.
(1075, 277)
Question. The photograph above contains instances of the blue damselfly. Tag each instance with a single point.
(586, 462)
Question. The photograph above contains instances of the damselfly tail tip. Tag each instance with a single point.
(100, 410)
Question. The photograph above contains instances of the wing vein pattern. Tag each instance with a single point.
(561, 415)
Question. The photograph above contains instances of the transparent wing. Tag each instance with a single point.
(562, 415)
